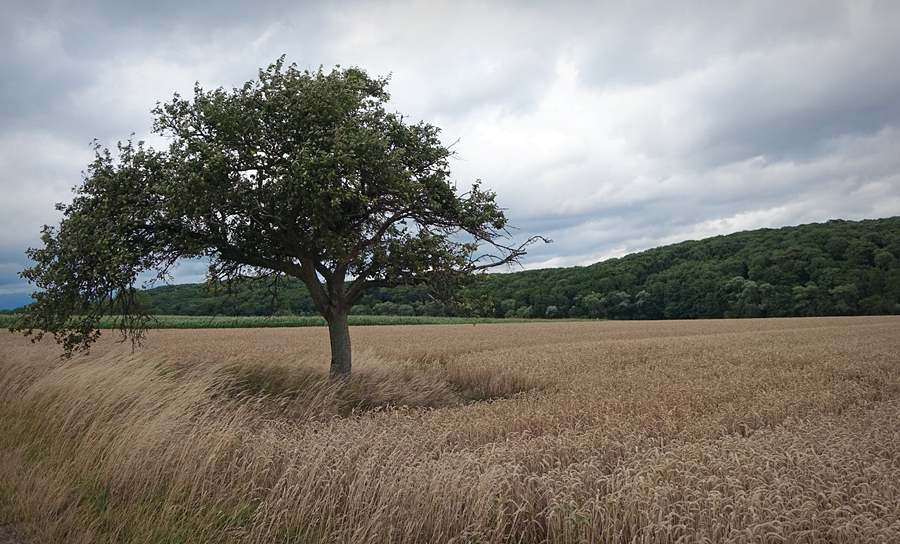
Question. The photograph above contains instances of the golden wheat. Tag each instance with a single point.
(715, 431)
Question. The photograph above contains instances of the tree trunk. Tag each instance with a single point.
(339, 331)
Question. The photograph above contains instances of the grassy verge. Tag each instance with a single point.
(252, 322)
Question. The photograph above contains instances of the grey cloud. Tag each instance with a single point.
(610, 127)
(52, 50)
(758, 121)
(643, 43)
(802, 72)
(14, 291)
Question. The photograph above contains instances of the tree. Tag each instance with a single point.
(297, 174)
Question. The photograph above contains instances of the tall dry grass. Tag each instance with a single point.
(726, 431)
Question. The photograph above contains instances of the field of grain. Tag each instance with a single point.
(702, 431)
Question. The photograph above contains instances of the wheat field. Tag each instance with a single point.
(704, 431)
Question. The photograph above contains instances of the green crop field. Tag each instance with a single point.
(232, 322)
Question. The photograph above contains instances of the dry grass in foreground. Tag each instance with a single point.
(716, 431)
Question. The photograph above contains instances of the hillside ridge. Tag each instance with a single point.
(834, 268)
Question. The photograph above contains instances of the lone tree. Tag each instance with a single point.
(299, 174)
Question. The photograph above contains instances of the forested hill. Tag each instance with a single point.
(833, 268)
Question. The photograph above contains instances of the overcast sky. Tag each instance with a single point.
(610, 127)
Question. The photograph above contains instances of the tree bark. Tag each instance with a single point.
(339, 331)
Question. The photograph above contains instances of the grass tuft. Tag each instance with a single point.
(300, 393)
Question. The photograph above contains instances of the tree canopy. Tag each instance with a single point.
(297, 173)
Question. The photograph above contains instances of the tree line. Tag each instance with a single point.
(820, 269)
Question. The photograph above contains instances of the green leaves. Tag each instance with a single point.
(89, 265)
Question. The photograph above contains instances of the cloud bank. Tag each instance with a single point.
(610, 127)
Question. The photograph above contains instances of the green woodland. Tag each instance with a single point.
(835, 268)
(820, 269)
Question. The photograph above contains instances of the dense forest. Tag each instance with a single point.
(833, 268)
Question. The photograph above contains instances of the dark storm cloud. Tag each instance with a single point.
(610, 127)
(52, 52)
